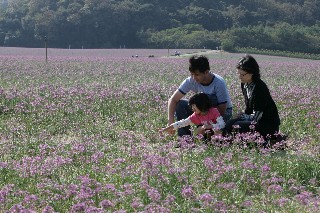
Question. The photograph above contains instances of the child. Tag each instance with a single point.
(203, 115)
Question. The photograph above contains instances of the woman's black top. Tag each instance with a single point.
(258, 100)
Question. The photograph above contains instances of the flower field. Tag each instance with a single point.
(80, 134)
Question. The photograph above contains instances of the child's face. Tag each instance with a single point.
(195, 109)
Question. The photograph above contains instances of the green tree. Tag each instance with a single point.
(272, 24)
(187, 36)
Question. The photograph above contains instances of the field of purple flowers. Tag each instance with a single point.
(79, 134)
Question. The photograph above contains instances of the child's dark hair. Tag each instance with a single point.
(201, 100)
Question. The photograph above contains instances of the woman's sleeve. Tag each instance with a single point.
(246, 101)
(262, 98)
(182, 123)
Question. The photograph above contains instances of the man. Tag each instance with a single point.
(201, 80)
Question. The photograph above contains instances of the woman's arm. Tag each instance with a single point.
(261, 97)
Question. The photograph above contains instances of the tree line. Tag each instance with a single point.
(288, 25)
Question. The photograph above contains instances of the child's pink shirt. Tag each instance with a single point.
(210, 117)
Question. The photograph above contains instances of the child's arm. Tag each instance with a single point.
(167, 129)
(176, 125)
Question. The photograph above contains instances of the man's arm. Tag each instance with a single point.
(222, 96)
(222, 108)
(172, 104)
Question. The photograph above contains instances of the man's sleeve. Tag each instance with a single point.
(222, 93)
(185, 86)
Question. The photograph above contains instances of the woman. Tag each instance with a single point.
(261, 111)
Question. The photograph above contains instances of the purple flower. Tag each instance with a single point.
(96, 157)
(30, 198)
(187, 192)
(144, 184)
(128, 189)
(3, 165)
(119, 161)
(227, 186)
(253, 122)
(236, 126)
(120, 211)
(136, 203)
(154, 194)
(110, 187)
(151, 208)
(248, 165)
(282, 201)
(304, 197)
(20, 208)
(48, 209)
(78, 207)
(170, 199)
(220, 206)
(209, 163)
(93, 209)
(105, 204)
(247, 203)
(313, 181)
(274, 188)
(206, 197)
(265, 168)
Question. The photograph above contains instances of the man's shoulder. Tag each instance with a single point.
(189, 80)
(218, 78)
(218, 81)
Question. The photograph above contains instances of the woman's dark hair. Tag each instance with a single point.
(250, 65)
(200, 63)
(201, 100)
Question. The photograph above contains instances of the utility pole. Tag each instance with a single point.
(46, 46)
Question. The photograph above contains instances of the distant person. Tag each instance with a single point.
(177, 53)
(261, 111)
(201, 80)
(207, 117)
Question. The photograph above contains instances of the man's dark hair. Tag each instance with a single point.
(201, 100)
(199, 63)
